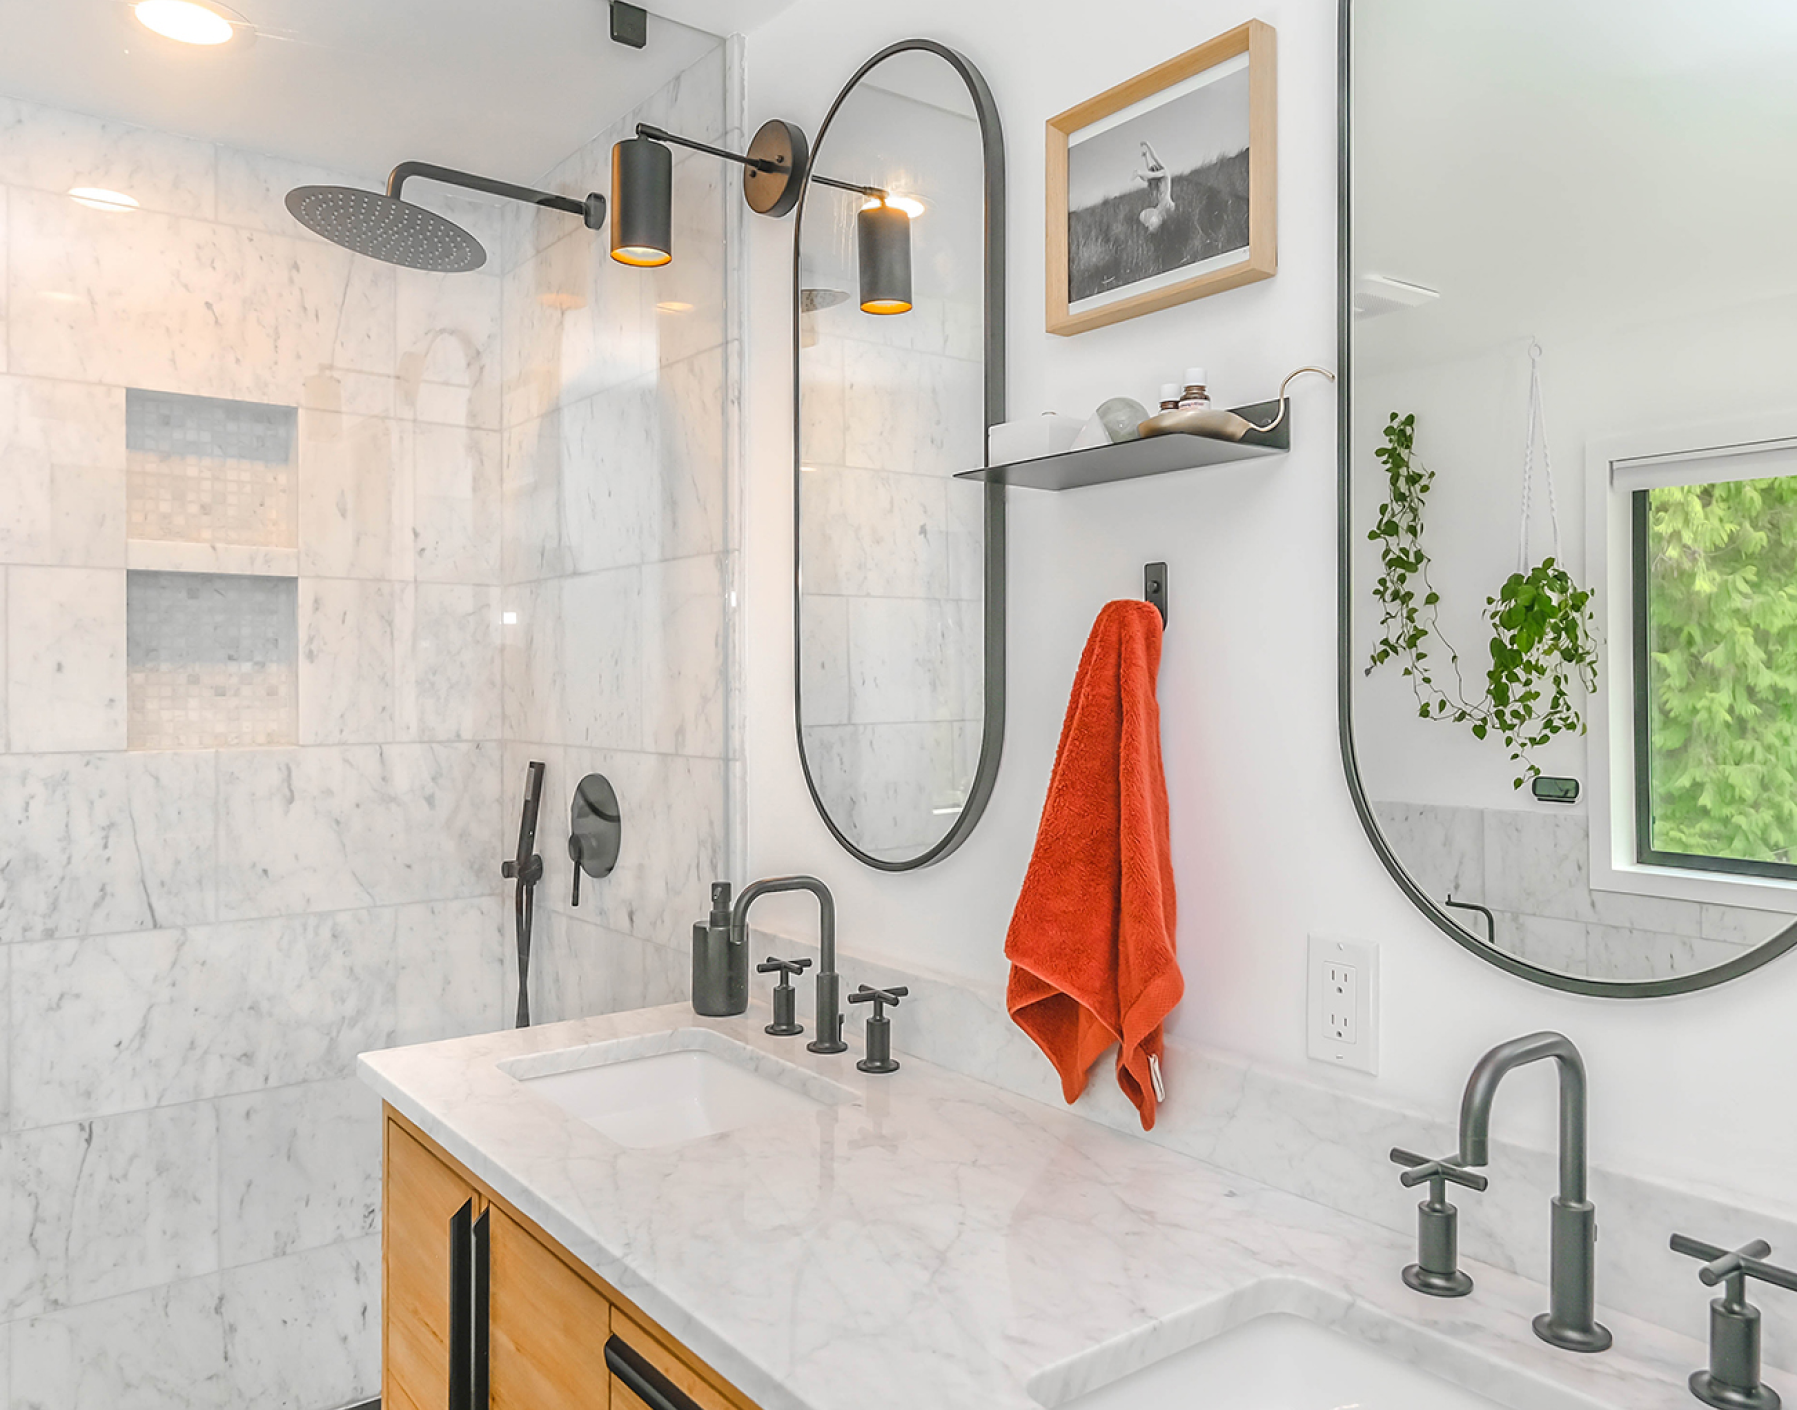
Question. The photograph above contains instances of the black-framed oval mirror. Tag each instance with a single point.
(1568, 479)
(899, 368)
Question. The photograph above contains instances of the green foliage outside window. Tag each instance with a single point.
(1722, 669)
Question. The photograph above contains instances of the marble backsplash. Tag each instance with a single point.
(1532, 868)
(1329, 1143)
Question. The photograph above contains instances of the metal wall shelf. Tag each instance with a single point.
(1153, 455)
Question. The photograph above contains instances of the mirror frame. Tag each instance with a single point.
(1347, 661)
(993, 718)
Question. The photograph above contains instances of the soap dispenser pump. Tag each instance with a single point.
(720, 961)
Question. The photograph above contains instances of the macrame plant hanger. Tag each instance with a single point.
(1537, 433)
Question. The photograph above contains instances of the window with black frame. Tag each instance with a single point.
(1715, 623)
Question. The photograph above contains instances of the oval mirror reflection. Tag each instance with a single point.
(900, 572)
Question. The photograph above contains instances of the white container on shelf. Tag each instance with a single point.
(1051, 433)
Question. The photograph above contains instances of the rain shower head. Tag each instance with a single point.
(387, 227)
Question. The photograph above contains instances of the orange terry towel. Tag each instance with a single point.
(1091, 941)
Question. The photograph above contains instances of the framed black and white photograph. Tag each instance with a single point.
(1162, 188)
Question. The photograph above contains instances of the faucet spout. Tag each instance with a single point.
(829, 983)
(1481, 1089)
(1570, 1320)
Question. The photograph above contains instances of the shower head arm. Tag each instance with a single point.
(591, 210)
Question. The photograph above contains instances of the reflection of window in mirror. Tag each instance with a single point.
(1702, 718)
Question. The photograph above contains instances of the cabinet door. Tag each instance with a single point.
(672, 1381)
(426, 1210)
(546, 1327)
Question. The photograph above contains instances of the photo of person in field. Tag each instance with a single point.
(1159, 191)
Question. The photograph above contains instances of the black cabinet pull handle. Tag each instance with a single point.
(461, 1307)
(645, 1382)
(480, 1305)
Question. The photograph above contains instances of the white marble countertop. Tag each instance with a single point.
(940, 1242)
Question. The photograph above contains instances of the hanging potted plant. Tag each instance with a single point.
(1543, 641)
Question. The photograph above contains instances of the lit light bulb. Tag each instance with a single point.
(910, 205)
(185, 21)
(100, 199)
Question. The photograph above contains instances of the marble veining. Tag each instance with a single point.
(940, 1241)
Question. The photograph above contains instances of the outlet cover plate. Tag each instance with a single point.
(1342, 1003)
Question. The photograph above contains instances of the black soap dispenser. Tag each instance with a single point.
(720, 961)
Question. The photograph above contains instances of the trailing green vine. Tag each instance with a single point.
(1542, 624)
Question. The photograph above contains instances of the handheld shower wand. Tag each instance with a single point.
(527, 870)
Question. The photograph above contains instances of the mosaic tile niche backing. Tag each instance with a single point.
(211, 660)
(206, 470)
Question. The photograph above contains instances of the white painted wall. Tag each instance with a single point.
(1266, 841)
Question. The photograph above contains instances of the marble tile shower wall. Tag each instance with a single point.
(1533, 869)
(618, 567)
(196, 943)
(894, 593)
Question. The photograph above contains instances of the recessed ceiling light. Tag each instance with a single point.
(100, 199)
(185, 21)
(675, 306)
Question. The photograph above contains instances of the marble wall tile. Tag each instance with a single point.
(580, 969)
(874, 533)
(450, 966)
(160, 1349)
(53, 149)
(824, 659)
(1541, 863)
(1736, 925)
(447, 662)
(347, 661)
(966, 517)
(108, 1206)
(909, 660)
(603, 327)
(304, 1332)
(692, 455)
(355, 512)
(683, 653)
(62, 473)
(1443, 849)
(535, 532)
(4, 228)
(252, 190)
(105, 842)
(298, 1168)
(456, 503)
(605, 469)
(117, 1023)
(447, 338)
(822, 408)
(599, 647)
(909, 411)
(65, 659)
(892, 788)
(258, 314)
(353, 825)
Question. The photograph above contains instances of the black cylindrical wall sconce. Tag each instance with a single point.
(883, 245)
(642, 202)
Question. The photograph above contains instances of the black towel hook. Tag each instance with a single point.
(1154, 587)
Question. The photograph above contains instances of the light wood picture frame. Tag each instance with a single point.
(1164, 188)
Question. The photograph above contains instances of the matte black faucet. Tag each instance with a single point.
(1732, 1381)
(829, 983)
(1569, 1321)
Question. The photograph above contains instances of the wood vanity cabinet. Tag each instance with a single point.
(483, 1311)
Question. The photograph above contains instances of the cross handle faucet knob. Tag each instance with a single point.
(1436, 1172)
(879, 998)
(787, 969)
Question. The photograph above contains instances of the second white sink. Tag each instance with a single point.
(667, 1088)
(1280, 1362)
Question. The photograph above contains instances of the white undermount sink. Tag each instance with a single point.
(1280, 1362)
(661, 1089)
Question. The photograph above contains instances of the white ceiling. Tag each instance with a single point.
(503, 87)
(1557, 169)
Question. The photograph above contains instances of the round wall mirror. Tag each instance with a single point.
(899, 336)
(1569, 478)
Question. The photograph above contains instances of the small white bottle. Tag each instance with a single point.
(1195, 397)
(1170, 396)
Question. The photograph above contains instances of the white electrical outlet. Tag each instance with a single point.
(1342, 985)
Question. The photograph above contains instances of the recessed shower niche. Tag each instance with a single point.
(211, 656)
